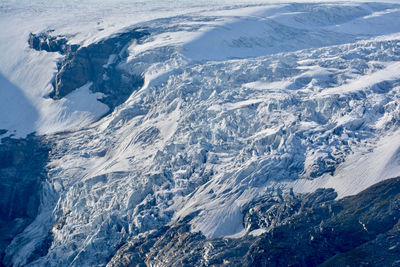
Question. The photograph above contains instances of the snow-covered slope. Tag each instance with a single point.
(239, 100)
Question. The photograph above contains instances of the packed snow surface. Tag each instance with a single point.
(240, 100)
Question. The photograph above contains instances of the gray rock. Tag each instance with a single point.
(22, 170)
(301, 230)
(97, 63)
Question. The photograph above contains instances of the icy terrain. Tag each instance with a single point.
(239, 101)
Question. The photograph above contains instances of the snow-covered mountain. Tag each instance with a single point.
(123, 121)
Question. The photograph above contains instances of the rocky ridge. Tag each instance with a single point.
(296, 230)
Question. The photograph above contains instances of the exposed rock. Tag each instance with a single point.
(301, 230)
(133, 253)
(211, 135)
(96, 63)
(279, 210)
(45, 41)
(314, 235)
(382, 251)
(22, 170)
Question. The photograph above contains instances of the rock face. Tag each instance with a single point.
(273, 212)
(300, 230)
(45, 41)
(209, 136)
(320, 231)
(22, 170)
(96, 63)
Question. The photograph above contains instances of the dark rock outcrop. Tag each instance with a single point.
(22, 171)
(97, 63)
(177, 246)
(45, 41)
(301, 230)
(279, 210)
(317, 234)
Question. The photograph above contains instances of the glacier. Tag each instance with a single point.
(240, 100)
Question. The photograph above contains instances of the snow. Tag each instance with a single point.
(232, 106)
(77, 110)
(26, 78)
(257, 232)
(377, 23)
(260, 85)
(360, 170)
(239, 99)
(389, 73)
(276, 29)
(11, 117)
(250, 30)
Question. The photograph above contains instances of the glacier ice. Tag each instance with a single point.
(233, 107)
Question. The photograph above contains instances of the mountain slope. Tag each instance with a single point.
(181, 120)
(296, 230)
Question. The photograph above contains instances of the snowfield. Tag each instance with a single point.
(239, 101)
